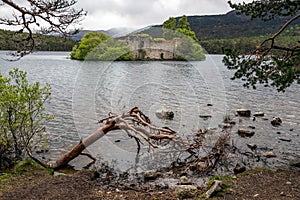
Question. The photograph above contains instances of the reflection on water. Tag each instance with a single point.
(83, 92)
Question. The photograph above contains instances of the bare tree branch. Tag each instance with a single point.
(261, 54)
(57, 15)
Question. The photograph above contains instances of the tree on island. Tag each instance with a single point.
(99, 46)
(270, 63)
(172, 28)
(189, 49)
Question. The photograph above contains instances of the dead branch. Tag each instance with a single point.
(134, 123)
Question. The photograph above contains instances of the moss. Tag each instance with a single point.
(4, 177)
(27, 165)
(202, 196)
(226, 180)
(158, 40)
(254, 171)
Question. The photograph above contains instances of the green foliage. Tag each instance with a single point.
(22, 115)
(270, 71)
(271, 62)
(189, 50)
(172, 29)
(169, 26)
(87, 44)
(158, 40)
(267, 9)
(98, 46)
(43, 42)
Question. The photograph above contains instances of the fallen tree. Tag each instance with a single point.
(134, 122)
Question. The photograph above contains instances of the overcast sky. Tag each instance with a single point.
(106, 14)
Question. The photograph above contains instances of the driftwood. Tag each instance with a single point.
(134, 123)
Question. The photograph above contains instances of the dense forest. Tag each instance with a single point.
(43, 43)
(244, 44)
(226, 26)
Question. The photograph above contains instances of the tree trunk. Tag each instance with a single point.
(76, 151)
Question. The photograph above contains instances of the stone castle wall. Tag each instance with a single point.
(145, 48)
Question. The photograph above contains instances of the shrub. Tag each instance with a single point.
(22, 115)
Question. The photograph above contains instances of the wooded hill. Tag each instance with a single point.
(226, 26)
(43, 42)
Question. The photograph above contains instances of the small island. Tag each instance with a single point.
(179, 43)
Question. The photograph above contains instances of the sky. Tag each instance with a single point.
(106, 14)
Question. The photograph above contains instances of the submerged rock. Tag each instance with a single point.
(205, 116)
(243, 112)
(295, 163)
(252, 146)
(164, 114)
(285, 139)
(259, 114)
(245, 133)
(225, 125)
(269, 154)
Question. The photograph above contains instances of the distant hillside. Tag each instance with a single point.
(226, 26)
(114, 32)
(43, 43)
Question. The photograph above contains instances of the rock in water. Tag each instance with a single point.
(252, 146)
(245, 133)
(269, 154)
(259, 114)
(276, 121)
(243, 112)
(164, 114)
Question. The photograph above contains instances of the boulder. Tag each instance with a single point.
(276, 121)
(243, 112)
(239, 168)
(269, 154)
(259, 114)
(164, 114)
(151, 175)
(245, 133)
(186, 191)
(184, 181)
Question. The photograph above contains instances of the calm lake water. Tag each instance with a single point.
(83, 92)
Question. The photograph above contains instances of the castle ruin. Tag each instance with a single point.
(144, 47)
